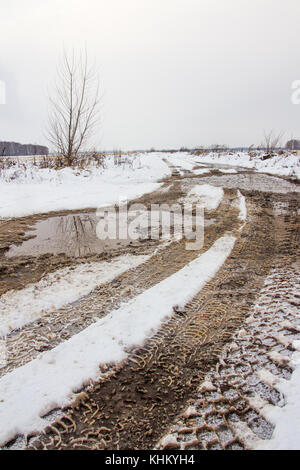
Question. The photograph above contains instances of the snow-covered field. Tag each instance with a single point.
(281, 165)
(26, 190)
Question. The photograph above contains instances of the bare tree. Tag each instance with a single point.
(219, 147)
(271, 141)
(75, 107)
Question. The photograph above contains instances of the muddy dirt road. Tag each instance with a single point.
(145, 398)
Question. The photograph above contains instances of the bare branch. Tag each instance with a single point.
(271, 141)
(75, 106)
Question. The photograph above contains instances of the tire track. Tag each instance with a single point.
(228, 412)
(57, 326)
(140, 399)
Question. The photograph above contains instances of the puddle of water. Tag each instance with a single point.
(224, 166)
(252, 182)
(73, 234)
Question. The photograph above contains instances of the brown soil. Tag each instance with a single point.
(138, 401)
(54, 327)
(136, 404)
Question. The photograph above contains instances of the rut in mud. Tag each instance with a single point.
(54, 327)
(136, 405)
(230, 410)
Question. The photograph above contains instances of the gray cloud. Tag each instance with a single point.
(174, 72)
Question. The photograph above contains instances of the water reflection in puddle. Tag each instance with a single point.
(251, 182)
(72, 234)
(75, 235)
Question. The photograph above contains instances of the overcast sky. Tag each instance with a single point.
(173, 72)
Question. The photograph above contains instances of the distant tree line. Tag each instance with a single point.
(14, 149)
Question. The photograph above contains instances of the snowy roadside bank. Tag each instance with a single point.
(281, 165)
(49, 381)
(27, 190)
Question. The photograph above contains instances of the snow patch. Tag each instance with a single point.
(207, 195)
(287, 418)
(282, 165)
(242, 206)
(201, 171)
(20, 307)
(27, 190)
